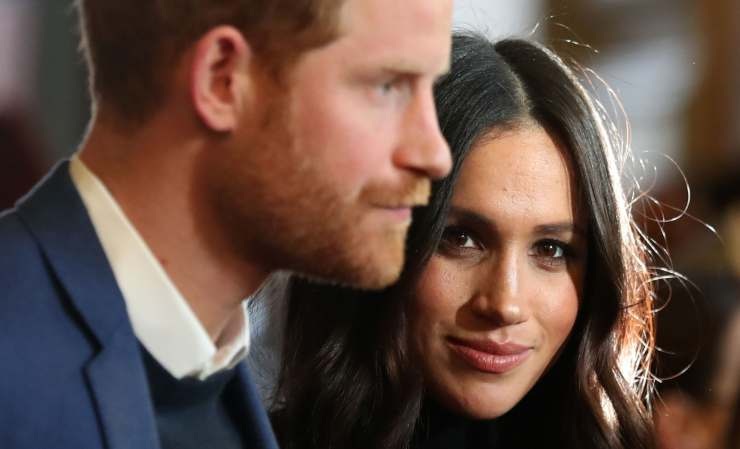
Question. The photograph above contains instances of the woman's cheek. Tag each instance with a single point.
(439, 293)
(561, 311)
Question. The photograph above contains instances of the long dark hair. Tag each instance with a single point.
(347, 379)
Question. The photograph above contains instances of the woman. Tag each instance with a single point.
(523, 316)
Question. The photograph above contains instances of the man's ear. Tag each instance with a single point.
(219, 78)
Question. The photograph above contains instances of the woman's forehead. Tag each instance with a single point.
(522, 171)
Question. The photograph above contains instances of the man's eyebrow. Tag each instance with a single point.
(405, 67)
(400, 70)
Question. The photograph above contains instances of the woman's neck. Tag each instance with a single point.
(440, 428)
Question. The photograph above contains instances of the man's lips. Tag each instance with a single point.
(489, 356)
(399, 213)
(405, 196)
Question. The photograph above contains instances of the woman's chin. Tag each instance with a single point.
(481, 407)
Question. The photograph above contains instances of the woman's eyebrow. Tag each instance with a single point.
(475, 219)
(560, 228)
(470, 217)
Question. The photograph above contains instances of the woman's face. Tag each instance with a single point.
(497, 301)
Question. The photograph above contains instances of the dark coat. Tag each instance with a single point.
(71, 371)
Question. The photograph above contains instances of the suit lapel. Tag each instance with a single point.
(121, 392)
(56, 216)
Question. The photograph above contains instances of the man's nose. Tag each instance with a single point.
(424, 148)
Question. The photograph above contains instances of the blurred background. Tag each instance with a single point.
(674, 65)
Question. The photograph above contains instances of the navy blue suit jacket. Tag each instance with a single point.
(71, 371)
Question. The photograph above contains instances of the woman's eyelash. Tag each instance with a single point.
(459, 241)
(458, 237)
(554, 252)
(561, 249)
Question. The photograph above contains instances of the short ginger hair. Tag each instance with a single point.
(131, 46)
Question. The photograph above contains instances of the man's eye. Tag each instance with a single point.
(389, 86)
(397, 85)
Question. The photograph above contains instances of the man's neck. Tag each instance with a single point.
(153, 177)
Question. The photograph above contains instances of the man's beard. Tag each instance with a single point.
(279, 209)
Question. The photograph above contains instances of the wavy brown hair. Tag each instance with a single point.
(348, 380)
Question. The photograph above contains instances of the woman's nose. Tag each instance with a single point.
(501, 296)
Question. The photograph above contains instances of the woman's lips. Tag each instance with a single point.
(489, 356)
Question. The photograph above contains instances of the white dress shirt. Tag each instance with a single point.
(161, 318)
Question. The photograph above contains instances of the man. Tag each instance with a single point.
(230, 139)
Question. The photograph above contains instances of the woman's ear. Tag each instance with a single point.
(220, 78)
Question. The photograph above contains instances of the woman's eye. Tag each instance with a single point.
(552, 253)
(459, 238)
(550, 249)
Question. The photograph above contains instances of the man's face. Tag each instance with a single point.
(323, 181)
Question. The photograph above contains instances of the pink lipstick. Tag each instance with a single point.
(489, 356)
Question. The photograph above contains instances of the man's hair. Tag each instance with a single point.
(132, 46)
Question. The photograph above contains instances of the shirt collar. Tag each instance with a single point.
(161, 318)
